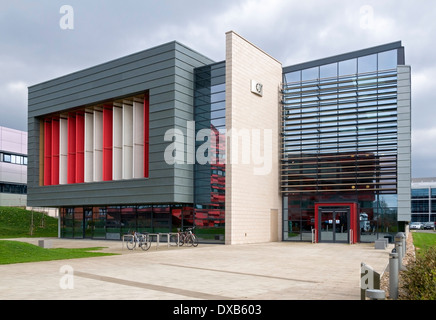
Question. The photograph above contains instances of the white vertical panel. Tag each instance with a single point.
(404, 126)
(117, 164)
(138, 139)
(89, 146)
(63, 151)
(98, 145)
(127, 140)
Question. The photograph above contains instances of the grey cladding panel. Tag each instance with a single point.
(167, 72)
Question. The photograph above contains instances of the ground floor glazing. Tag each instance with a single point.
(112, 222)
(340, 217)
(348, 218)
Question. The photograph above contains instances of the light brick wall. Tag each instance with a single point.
(253, 200)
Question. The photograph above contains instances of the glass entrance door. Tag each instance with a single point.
(334, 224)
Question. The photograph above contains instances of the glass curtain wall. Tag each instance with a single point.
(112, 222)
(210, 125)
(424, 204)
(339, 143)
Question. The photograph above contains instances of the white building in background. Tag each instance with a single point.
(13, 167)
(424, 199)
(13, 171)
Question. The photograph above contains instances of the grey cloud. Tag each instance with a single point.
(34, 48)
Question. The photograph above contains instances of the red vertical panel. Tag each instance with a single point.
(80, 147)
(55, 152)
(71, 177)
(316, 222)
(355, 222)
(107, 143)
(146, 135)
(47, 152)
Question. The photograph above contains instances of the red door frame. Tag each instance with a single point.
(354, 225)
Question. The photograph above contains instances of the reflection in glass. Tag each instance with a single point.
(340, 145)
(328, 71)
(348, 67)
(293, 76)
(367, 64)
(99, 220)
(78, 223)
(420, 193)
(387, 60)
(209, 187)
(310, 74)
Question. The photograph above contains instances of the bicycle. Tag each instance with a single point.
(185, 237)
(178, 239)
(189, 237)
(138, 238)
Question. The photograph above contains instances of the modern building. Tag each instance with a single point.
(424, 199)
(13, 168)
(244, 149)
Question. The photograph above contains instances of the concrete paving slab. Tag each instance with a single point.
(267, 271)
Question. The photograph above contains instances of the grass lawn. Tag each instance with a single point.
(20, 252)
(16, 223)
(423, 240)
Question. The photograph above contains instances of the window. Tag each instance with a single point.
(387, 60)
(13, 188)
(420, 193)
(310, 74)
(329, 71)
(7, 158)
(12, 158)
(347, 67)
(420, 206)
(367, 64)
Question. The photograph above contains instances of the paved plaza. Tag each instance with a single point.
(267, 271)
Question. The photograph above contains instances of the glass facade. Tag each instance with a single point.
(339, 143)
(210, 171)
(111, 222)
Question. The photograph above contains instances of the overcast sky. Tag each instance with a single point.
(36, 45)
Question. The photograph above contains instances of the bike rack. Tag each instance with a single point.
(157, 235)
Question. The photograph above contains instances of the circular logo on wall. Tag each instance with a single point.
(259, 87)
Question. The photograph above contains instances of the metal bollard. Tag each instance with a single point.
(399, 250)
(375, 294)
(401, 237)
(393, 275)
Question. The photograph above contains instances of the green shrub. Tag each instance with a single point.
(420, 277)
